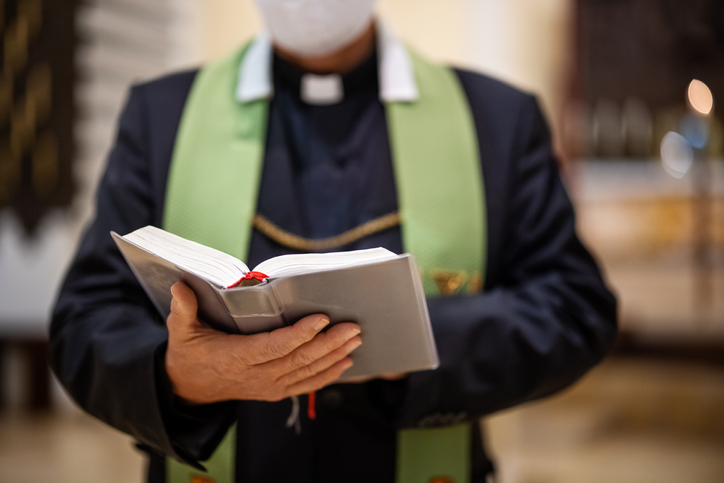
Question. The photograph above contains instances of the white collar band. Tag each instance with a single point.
(321, 89)
(255, 71)
(396, 75)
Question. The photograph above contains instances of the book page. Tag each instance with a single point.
(213, 265)
(287, 265)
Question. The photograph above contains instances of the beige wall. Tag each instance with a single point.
(224, 24)
(525, 42)
(521, 41)
(437, 28)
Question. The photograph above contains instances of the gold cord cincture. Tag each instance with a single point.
(290, 240)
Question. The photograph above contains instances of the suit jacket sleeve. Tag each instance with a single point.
(546, 315)
(107, 340)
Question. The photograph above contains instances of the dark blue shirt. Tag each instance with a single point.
(327, 168)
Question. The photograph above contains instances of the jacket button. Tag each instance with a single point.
(331, 398)
(429, 421)
(449, 419)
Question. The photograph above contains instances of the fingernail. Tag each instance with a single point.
(352, 332)
(354, 344)
(347, 364)
(321, 323)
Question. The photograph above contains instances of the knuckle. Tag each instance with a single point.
(269, 349)
(301, 334)
(301, 359)
(296, 342)
(174, 307)
(306, 372)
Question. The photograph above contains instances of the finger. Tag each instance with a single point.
(387, 377)
(183, 305)
(394, 376)
(320, 365)
(359, 380)
(317, 348)
(320, 380)
(269, 346)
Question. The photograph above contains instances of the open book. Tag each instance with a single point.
(376, 288)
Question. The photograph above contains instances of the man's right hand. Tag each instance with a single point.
(206, 365)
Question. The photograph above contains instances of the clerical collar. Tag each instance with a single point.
(395, 73)
(325, 89)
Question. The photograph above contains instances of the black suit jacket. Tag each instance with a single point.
(545, 317)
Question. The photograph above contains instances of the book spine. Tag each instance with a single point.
(254, 309)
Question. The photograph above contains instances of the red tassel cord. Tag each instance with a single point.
(252, 275)
(311, 409)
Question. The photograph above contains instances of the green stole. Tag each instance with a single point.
(214, 178)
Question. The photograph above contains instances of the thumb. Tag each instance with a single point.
(183, 305)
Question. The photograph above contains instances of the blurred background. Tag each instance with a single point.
(630, 89)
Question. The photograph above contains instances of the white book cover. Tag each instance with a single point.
(377, 289)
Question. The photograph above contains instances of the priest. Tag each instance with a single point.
(326, 133)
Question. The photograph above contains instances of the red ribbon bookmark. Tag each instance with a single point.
(252, 275)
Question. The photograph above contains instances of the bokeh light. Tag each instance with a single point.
(677, 156)
(700, 97)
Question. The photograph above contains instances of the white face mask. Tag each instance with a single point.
(315, 28)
